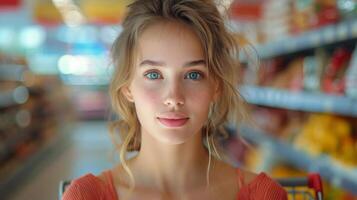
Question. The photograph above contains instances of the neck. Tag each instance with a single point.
(171, 168)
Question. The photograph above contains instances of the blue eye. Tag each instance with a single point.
(194, 75)
(153, 75)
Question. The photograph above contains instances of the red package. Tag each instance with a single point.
(334, 78)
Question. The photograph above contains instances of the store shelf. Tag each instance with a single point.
(85, 80)
(303, 101)
(330, 171)
(10, 143)
(20, 169)
(12, 72)
(331, 34)
(13, 97)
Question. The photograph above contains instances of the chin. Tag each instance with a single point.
(174, 137)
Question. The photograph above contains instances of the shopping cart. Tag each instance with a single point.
(309, 187)
(62, 187)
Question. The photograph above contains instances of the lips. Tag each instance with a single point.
(173, 122)
(173, 119)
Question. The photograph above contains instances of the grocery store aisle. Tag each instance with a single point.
(89, 149)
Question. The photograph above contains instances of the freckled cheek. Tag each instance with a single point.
(199, 99)
(200, 93)
(147, 94)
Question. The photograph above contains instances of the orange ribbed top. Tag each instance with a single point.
(90, 187)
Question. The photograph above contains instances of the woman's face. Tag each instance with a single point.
(171, 89)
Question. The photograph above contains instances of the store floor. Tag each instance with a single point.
(89, 149)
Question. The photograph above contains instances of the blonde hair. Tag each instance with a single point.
(220, 51)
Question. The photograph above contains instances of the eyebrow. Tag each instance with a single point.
(161, 64)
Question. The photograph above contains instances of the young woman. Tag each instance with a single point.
(174, 89)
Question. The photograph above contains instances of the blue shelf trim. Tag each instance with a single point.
(6, 99)
(336, 174)
(19, 95)
(303, 101)
(12, 72)
(343, 31)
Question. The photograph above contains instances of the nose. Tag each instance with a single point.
(175, 95)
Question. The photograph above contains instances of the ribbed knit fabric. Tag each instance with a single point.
(262, 187)
(90, 187)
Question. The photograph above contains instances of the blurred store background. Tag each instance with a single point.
(55, 69)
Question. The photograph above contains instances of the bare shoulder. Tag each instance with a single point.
(102, 177)
(226, 176)
(234, 172)
(248, 176)
(225, 170)
(120, 177)
(110, 176)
